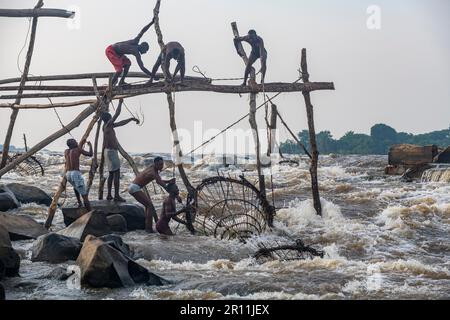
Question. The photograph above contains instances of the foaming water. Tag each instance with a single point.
(382, 238)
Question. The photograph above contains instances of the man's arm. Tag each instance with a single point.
(141, 65)
(155, 68)
(125, 122)
(116, 115)
(262, 50)
(237, 40)
(144, 30)
(89, 153)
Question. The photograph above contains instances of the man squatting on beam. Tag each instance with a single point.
(73, 174)
(172, 50)
(117, 52)
(258, 52)
(144, 178)
(111, 146)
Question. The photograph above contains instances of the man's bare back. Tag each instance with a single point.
(146, 176)
(72, 156)
(109, 137)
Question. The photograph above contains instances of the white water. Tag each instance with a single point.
(383, 239)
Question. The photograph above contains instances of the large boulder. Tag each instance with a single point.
(2, 293)
(21, 227)
(55, 248)
(9, 259)
(7, 199)
(92, 223)
(117, 223)
(104, 266)
(133, 214)
(29, 194)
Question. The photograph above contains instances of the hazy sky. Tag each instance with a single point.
(399, 75)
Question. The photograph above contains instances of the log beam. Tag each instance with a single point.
(160, 87)
(35, 13)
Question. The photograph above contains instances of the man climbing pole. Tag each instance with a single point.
(117, 52)
(111, 146)
(258, 52)
(172, 50)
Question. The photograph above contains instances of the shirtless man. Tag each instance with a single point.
(73, 174)
(145, 177)
(172, 50)
(258, 52)
(111, 146)
(169, 211)
(117, 52)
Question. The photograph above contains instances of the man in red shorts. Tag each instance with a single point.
(117, 52)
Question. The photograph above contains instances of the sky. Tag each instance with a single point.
(398, 74)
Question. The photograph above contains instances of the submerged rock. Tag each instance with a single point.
(21, 227)
(29, 194)
(7, 199)
(117, 223)
(55, 248)
(133, 214)
(9, 259)
(92, 223)
(102, 265)
(116, 242)
(59, 273)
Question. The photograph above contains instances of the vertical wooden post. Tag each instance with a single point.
(272, 128)
(312, 137)
(23, 79)
(94, 164)
(252, 118)
(101, 175)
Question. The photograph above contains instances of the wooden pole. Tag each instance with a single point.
(35, 13)
(301, 145)
(273, 129)
(187, 86)
(102, 178)
(23, 79)
(58, 134)
(94, 163)
(98, 75)
(252, 118)
(312, 137)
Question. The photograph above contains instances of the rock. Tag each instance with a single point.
(59, 273)
(116, 242)
(92, 223)
(7, 199)
(55, 248)
(117, 223)
(411, 155)
(10, 260)
(443, 156)
(133, 214)
(2, 270)
(21, 227)
(103, 266)
(2, 293)
(29, 194)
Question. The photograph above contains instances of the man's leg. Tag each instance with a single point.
(125, 73)
(149, 209)
(116, 77)
(110, 182)
(77, 194)
(87, 204)
(248, 68)
(117, 196)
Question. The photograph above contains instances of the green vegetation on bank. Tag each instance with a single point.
(381, 138)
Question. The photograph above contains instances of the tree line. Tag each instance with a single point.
(381, 138)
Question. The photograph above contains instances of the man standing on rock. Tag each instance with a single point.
(111, 146)
(73, 174)
(145, 177)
